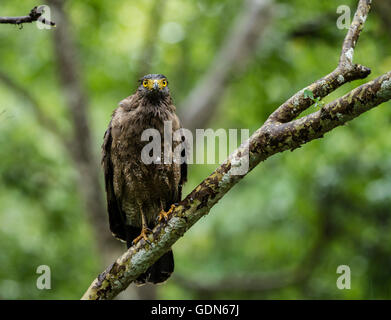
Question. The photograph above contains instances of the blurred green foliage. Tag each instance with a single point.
(266, 224)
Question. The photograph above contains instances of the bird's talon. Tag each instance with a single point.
(163, 215)
(143, 235)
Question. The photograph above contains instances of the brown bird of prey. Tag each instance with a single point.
(140, 194)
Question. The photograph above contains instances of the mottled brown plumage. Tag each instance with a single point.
(135, 189)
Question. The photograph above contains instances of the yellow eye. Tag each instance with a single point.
(145, 83)
(164, 82)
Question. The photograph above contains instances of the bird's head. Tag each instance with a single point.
(154, 86)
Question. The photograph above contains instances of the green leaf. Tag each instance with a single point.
(308, 94)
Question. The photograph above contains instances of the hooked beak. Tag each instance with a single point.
(155, 86)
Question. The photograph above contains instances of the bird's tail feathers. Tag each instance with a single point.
(160, 271)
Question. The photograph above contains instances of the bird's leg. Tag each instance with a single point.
(144, 230)
(163, 215)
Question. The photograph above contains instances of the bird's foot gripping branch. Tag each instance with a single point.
(282, 131)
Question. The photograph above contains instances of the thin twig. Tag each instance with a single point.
(148, 51)
(34, 15)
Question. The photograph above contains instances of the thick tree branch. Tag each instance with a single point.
(34, 15)
(240, 44)
(276, 135)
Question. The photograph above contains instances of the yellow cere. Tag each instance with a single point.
(149, 83)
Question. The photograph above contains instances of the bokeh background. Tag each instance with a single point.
(280, 233)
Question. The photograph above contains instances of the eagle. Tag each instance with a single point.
(139, 193)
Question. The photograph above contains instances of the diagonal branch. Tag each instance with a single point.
(273, 137)
(34, 15)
